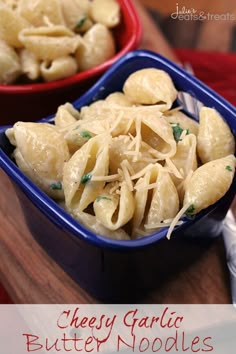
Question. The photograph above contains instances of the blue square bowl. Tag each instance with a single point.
(112, 270)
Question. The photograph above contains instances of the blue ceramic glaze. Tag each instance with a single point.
(112, 270)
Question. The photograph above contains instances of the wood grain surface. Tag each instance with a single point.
(31, 276)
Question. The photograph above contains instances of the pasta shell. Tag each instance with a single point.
(92, 159)
(157, 133)
(98, 46)
(75, 16)
(77, 137)
(185, 161)
(59, 68)
(215, 139)
(37, 12)
(10, 68)
(114, 211)
(66, 115)
(49, 43)
(106, 12)
(150, 86)
(41, 153)
(119, 99)
(11, 25)
(30, 64)
(52, 187)
(209, 183)
(91, 222)
(156, 198)
(183, 120)
(85, 5)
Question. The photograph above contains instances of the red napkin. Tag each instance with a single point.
(217, 70)
(4, 297)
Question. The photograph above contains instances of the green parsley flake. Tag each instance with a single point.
(86, 177)
(81, 22)
(177, 131)
(190, 210)
(100, 197)
(56, 186)
(86, 135)
(228, 168)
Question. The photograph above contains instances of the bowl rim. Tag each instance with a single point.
(62, 218)
(134, 23)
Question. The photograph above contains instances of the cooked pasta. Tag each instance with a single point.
(59, 68)
(178, 117)
(49, 43)
(97, 46)
(124, 168)
(30, 64)
(106, 12)
(150, 86)
(41, 153)
(39, 11)
(76, 17)
(11, 25)
(10, 67)
(58, 38)
(215, 139)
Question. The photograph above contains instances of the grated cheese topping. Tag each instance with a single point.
(163, 224)
(176, 219)
(107, 178)
(173, 168)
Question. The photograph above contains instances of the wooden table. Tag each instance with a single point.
(31, 276)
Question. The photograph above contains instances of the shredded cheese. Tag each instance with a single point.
(173, 168)
(115, 187)
(129, 167)
(133, 153)
(129, 124)
(176, 219)
(183, 134)
(108, 178)
(148, 159)
(142, 172)
(142, 186)
(138, 135)
(173, 110)
(127, 175)
(116, 123)
(133, 142)
(160, 224)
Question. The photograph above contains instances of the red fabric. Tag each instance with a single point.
(4, 297)
(217, 70)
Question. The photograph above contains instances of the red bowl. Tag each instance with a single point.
(34, 101)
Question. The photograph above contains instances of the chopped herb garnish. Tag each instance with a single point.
(177, 131)
(228, 168)
(86, 177)
(190, 210)
(56, 186)
(86, 135)
(100, 197)
(81, 22)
